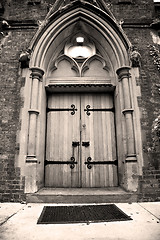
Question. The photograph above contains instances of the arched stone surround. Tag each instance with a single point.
(112, 45)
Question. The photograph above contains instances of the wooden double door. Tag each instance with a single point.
(80, 141)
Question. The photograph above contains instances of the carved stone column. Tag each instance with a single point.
(131, 172)
(31, 158)
(124, 78)
(36, 75)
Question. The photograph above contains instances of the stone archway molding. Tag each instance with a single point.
(62, 19)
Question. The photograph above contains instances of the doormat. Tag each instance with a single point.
(81, 214)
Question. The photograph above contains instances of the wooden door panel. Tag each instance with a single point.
(97, 128)
(62, 130)
(99, 176)
(100, 132)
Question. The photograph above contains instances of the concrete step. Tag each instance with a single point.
(82, 195)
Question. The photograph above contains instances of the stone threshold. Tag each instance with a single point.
(81, 195)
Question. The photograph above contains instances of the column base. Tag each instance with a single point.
(131, 176)
(31, 174)
(131, 158)
(31, 159)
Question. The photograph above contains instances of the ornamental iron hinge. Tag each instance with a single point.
(73, 109)
(88, 109)
(72, 162)
(89, 162)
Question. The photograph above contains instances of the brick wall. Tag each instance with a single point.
(149, 102)
(12, 43)
(150, 185)
(11, 182)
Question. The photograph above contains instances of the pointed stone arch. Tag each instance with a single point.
(112, 47)
(60, 24)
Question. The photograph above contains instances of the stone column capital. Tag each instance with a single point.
(123, 72)
(37, 72)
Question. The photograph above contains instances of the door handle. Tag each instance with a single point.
(85, 144)
(75, 144)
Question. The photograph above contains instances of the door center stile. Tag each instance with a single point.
(80, 131)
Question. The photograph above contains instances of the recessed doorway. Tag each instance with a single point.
(80, 141)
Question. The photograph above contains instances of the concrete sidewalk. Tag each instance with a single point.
(19, 222)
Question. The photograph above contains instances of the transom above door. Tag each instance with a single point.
(80, 141)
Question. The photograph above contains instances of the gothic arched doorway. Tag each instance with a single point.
(81, 109)
(81, 142)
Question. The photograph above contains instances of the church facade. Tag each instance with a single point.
(79, 97)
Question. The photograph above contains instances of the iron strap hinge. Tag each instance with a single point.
(72, 162)
(88, 109)
(89, 162)
(73, 109)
